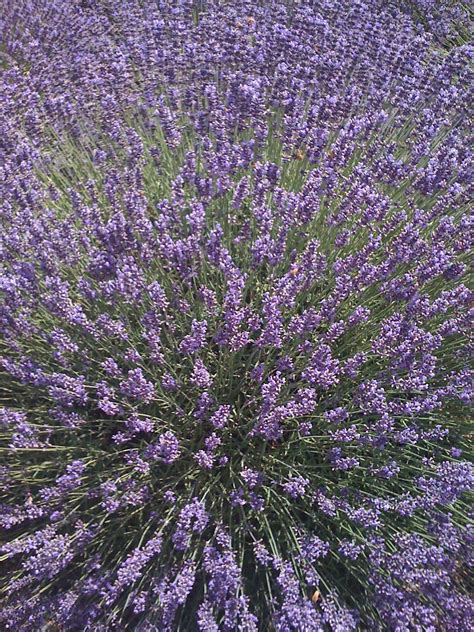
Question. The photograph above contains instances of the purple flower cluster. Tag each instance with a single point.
(235, 318)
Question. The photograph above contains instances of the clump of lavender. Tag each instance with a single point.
(235, 358)
(450, 22)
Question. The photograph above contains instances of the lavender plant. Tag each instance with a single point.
(450, 22)
(235, 373)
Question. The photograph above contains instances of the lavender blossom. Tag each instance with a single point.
(235, 315)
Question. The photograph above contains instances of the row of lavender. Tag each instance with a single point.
(234, 317)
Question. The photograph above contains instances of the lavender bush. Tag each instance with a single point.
(450, 21)
(235, 359)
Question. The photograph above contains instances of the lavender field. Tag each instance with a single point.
(235, 316)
